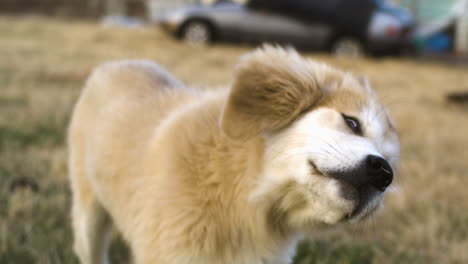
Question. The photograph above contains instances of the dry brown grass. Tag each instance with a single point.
(43, 64)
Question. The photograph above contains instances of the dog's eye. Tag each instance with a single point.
(353, 124)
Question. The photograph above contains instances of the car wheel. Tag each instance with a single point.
(348, 47)
(197, 32)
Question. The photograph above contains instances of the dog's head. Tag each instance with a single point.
(330, 148)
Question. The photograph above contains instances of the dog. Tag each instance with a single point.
(225, 176)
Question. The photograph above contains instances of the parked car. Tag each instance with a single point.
(340, 26)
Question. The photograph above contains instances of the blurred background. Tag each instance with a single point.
(414, 52)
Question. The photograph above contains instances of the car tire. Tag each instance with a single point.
(347, 47)
(197, 33)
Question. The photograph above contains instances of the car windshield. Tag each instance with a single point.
(394, 10)
(387, 7)
(214, 2)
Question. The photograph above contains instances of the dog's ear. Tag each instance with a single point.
(271, 87)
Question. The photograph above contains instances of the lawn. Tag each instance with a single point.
(44, 62)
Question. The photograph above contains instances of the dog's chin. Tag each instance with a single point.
(368, 202)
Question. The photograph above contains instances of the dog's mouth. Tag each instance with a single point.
(366, 197)
(315, 169)
(367, 203)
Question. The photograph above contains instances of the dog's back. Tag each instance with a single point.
(113, 119)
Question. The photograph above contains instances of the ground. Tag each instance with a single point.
(44, 62)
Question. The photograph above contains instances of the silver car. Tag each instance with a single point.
(350, 29)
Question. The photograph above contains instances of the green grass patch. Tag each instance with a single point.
(332, 252)
(46, 132)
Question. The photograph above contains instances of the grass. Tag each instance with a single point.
(44, 62)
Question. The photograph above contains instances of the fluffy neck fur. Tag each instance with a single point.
(215, 177)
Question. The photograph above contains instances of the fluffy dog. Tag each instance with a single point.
(235, 176)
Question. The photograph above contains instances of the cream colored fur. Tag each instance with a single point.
(199, 177)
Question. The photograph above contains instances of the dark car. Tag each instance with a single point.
(341, 26)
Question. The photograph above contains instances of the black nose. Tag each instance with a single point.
(379, 172)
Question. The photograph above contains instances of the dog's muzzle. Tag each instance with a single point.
(373, 171)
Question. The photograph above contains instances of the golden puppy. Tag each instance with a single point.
(235, 176)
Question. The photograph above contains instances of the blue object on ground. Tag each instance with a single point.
(438, 43)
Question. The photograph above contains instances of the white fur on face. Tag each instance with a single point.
(322, 137)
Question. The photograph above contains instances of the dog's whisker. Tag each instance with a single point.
(331, 154)
(385, 170)
(326, 150)
(335, 150)
(342, 150)
(295, 154)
